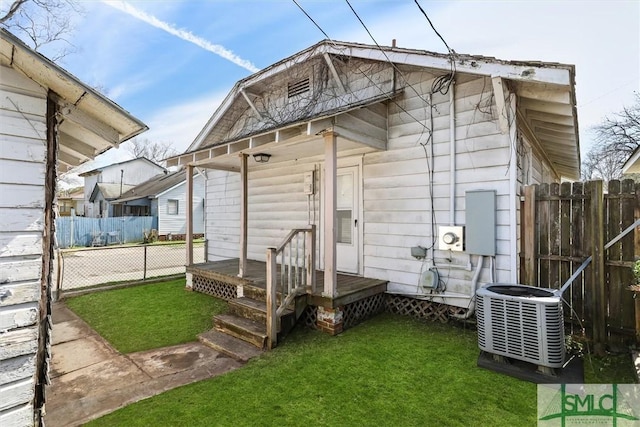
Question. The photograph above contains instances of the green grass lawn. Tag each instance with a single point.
(148, 316)
(390, 370)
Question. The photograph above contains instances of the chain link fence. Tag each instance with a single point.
(86, 267)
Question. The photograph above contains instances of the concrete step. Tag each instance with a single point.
(247, 330)
(231, 346)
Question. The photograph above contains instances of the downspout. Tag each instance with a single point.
(474, 288)
(513, 189)
(452, 153)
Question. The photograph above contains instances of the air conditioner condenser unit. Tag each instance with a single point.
(521, 322)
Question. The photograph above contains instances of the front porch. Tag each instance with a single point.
(355, 299)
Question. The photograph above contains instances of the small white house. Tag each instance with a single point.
(409, 163)
(116, 179)
(164, 196)
(49, 123)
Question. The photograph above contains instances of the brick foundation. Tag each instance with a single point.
(330, 320)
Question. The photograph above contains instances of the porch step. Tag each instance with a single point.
(247, 330)
(259, 294)
(254, 292)
(249, 309)
(228, 345)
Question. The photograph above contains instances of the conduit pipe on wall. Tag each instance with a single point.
(452, 153)
(474, 288)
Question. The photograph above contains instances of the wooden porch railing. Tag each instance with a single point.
(297, 259)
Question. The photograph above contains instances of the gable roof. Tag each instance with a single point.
(154, 187)
(545, 90)
(90, 123)
(109, 191)
(101, 168)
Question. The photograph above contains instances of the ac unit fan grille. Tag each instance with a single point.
(523, 328)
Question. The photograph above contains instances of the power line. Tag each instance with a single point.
(434, 28)
(385, 54)
(312, 20)
(360, 70)
(442, 83)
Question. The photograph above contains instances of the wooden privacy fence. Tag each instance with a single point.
(562, 225)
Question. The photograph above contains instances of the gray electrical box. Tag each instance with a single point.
(480, 229)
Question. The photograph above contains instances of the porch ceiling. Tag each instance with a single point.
(357, 132)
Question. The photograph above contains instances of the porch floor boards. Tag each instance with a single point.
(349, 288)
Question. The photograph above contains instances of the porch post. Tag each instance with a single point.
(189, 215)
(330, 234)
(242, 264)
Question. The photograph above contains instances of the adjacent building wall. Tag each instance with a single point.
(176, 224)
(22, 178)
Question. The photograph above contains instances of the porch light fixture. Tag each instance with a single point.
(261, 157)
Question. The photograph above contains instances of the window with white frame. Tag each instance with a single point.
(172, 207)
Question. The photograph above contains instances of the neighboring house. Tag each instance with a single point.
(103, 195)
(49, 123)
(410, 163)
(164, 197)
(72, 199)
(126, 174)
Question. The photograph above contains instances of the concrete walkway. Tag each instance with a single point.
(89, 378)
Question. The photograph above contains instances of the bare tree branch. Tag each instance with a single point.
(42, 23)
(154, 151)
(616, 138)
(12, 10)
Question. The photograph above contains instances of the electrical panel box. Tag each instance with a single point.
(309, 182)
(480, 214)
(451, 238)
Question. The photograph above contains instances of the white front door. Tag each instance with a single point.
(348, 218)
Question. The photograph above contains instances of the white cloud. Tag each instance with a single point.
(183, 34)
(181, 123)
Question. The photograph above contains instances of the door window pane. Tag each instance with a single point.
(344, 228)
(345, 191)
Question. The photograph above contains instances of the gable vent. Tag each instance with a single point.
(298, 88)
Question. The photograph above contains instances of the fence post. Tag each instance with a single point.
(529, 220)
(144, 267)
(272, 277)
(598, 297)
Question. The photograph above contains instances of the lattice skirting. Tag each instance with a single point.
(215, 288)
(363, 309)
(421, 309)
(310, 317)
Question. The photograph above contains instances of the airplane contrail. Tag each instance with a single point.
(219, 50)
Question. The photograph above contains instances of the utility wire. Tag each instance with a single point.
(395, 67)
(442, 83)
(312, 20)
(362, 72)
(434, 28)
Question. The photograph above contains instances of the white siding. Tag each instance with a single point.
(135, 172)
(397, 204)
(176, 224)
(277, 204)
(22, 170)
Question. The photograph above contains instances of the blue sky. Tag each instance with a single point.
(174, 85)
